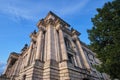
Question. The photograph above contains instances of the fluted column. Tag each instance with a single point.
(39, 42)
(82, 54)
(62, 43)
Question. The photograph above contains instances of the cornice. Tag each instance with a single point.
(75, 32)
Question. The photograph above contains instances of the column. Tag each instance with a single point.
(51, 43)
(39, 42)
(77, 56)
(82, 54)
(62, 44)
(15, 73)
(29, 53)
(8, 63)
(58, 56)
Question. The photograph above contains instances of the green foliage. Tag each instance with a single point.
(105, 38)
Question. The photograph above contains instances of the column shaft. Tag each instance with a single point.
(29, 53)
(62, 45)
(51, 43)
(57, 46)
(82, 54)
(77, 56)
(39, 40)
(8, 63)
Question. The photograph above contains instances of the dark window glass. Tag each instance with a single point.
(67, 43)
(70, 58)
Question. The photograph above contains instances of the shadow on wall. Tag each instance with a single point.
(86, 79)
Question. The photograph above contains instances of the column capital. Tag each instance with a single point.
(41, 22)
(50, 22)
(58, 27)
(75, 38)
(75, 32)
(42, 28)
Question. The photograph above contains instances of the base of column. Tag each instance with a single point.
(51, 70)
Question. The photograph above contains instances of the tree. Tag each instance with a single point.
(105, 38)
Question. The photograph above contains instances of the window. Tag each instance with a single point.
(70, 58)
(67, 43)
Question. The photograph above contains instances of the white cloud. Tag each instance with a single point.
(30, 10)
(17, 13)
(73, 8)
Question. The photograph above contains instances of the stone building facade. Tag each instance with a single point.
(55, 53)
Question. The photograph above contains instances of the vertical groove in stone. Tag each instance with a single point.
(43, 46)
(45, 49)
(57, 47)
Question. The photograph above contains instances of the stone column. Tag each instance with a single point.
(62, 43)
(29, 53)
(8, 63)
(51, 43)
(39, 42)
(15, 73)
(57, 46)
(77, 56)
(82, 53)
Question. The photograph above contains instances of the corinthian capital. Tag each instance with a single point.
(58, 26)
(50, 22)
(42, 28)
(41, 22)
(75, 37)
(75, 32)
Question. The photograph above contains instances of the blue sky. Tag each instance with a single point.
(18, 18)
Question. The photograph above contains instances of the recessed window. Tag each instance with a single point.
(67, 43)
(70, 58)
